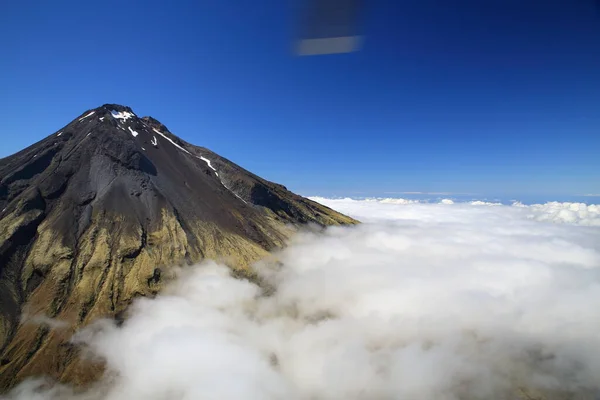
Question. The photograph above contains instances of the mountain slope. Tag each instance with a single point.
(97, 213)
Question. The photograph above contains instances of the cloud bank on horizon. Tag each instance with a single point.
(445, 301)
(557, 212)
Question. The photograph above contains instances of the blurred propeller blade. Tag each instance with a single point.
(329, 27)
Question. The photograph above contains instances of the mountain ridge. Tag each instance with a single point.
(98, 212)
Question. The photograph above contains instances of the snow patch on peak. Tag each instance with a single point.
(88, 115)
(236, 195)
(134, 133)
(207, 161)
(124, 115)
(154, 141)
(169, 139)
(59, 133)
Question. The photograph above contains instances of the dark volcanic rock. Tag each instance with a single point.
(96, 214)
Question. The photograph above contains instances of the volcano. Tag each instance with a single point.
(101, 211)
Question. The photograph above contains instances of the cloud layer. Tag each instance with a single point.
(557, 212)
(423, 301)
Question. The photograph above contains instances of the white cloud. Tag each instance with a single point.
(483, 203)
(444, 301)
(398, 201)
(556, 212)
(574, 213)
(434, 193)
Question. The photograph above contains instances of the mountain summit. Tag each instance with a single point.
(97, 213)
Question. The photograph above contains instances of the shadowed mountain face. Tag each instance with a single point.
(97, 213)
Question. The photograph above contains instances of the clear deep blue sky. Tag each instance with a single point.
(495, 96)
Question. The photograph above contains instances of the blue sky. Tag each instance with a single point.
(490, 96)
